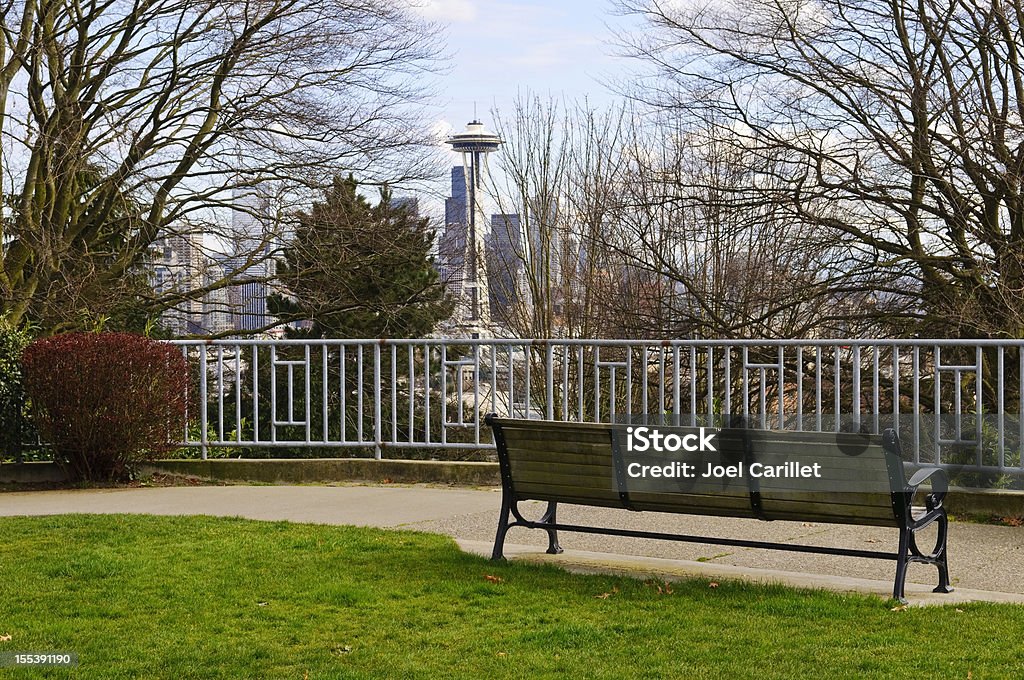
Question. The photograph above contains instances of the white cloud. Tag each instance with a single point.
(450, 11)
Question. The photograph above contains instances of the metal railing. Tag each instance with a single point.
(955, 403)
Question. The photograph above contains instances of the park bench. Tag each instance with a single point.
(580, 464)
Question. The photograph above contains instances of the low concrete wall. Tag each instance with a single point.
(282, 470)
(999, 502)
(30, 473)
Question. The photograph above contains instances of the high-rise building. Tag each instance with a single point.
(505, 257)
(252, 265)
(451, 248)
(179, 268)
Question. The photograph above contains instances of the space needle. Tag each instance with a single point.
(474, 143)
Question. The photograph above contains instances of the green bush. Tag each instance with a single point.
(15, 424)
(106, 401)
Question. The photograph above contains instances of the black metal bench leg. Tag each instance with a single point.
(940, 555)
(549, 518)
(499, 539)
(901, 566)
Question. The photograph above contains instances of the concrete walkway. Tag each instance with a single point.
(986, 562)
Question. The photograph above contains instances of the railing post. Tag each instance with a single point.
(203, 436)
(550, 379)
(376, 402)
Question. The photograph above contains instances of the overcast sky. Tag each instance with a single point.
(500, 48)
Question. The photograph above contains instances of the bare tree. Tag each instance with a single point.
(899, 127)
(125, 120)
(559, 168)
(698, 217)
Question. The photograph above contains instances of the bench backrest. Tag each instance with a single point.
(574, 463)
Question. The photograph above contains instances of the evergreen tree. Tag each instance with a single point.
(357, 270)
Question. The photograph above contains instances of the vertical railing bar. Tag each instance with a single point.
(938, 404)
(476, 393)
(611, 390)
(855, 380)
(444, 393)
(762, 389)
(426, 392)
(238, 393)
(957, 404)
(916, 375)
(709, 381)
(782, 387)
(979, 406)
(291, 393)
(394, 394)
(677, 373)
(526, 382)
(203, 407)
(817, 388)
(800, 388)
(273, 393)
(460, 390)
(746, 387)
(837, 388)
(565, 382)
(1001, 405)
(412, 393)
(875, 396)
(896, 376)
(693, 386)
(220, 393)
(1020, 406)
(661, 380)
(580, 379)
(255, 395)
(629, 385)
(493, 354)
(511, 382)
(597, 383)
(186, 439)
(308, 368)
(342, 394)
(549, 379)
(377, 416)
(359, 394)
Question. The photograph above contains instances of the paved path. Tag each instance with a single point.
(986, 562)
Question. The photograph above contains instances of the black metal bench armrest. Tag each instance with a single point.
(939, 483)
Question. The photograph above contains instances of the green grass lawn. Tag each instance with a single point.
(151, 597)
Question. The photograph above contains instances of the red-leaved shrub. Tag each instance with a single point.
(106, 401)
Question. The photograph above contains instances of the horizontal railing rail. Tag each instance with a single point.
(954, 402)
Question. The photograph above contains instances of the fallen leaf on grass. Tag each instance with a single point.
(5, 638)
(493, 579)
(899, 608)
(502, 654)
(959, 611)
(343, 649)
(262, 604)
(713, 584)
(605, 596)
(1013, 521)
(386, 480)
